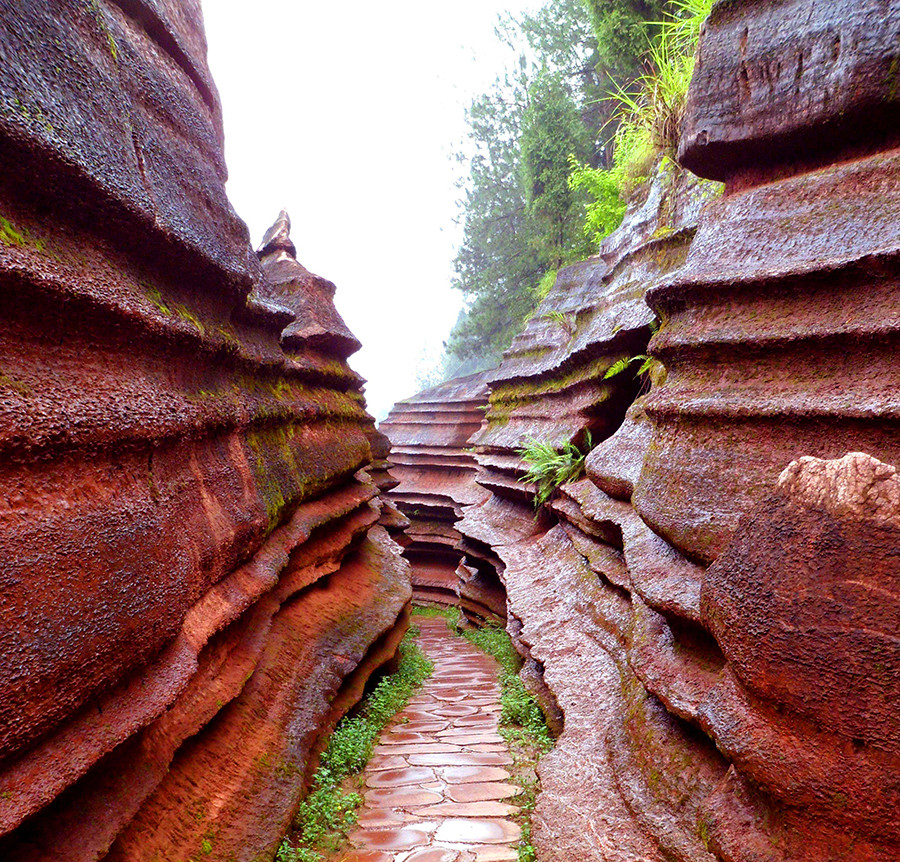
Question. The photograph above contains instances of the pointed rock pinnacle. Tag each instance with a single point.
(278, 237)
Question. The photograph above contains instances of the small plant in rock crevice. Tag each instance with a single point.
(328, 812)
(624, 364)
(551, 467)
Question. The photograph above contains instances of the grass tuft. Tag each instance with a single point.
(328, 812)
(9, 234)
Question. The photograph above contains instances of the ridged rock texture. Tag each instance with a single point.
(194, 583)
(434, 468)
(710, 615)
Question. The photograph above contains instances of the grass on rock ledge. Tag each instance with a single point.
(522, 724)
(328, 813)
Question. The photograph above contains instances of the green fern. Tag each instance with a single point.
(621, 365)
(550, 468)
(646, 365)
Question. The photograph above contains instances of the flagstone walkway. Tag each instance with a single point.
(436, 784)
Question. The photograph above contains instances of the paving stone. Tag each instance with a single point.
(470, 774)
(479, 721)
(457, 737)
(460, 759)
(399, 777)
(382, 818)
(379, 763)
(405, 737)
(481, 791)
(433, 854)
(401, 797)
(467, 809)
(365, 856)
(419, 715)
(458, 709)
(471, 831)
(419, 727)
(436, 788)
(418, 749)
(495, 854)
(389, 839)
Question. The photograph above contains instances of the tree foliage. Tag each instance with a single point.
(522, 216)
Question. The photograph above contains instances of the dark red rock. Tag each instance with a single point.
(778, 81)
(814, 641)
(181, 481)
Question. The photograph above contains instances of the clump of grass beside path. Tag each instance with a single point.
(522, 724)
(328, 813)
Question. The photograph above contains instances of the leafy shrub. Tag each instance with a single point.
(550, 467)
(605, 210)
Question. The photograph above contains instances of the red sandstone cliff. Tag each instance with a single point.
(714, 607)
(194, 585)
(434, 468)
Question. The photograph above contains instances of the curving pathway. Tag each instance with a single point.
(436, 784)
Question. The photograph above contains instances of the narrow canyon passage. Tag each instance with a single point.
(437, 784)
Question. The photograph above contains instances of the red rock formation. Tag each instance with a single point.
(795, 268)
(191, 563)
(434, 470)
(721, 641)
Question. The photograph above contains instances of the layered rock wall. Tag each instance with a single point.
(434, 468)
(194, 582)
(713, 609)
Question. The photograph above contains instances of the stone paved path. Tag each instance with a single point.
(436, 784)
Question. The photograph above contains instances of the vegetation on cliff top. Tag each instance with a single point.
(557, 146)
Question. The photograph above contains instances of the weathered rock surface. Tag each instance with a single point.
(780, 327)
(434, 468)
(193, 584)
(713, 609)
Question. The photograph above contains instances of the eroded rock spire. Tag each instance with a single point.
(278, 237)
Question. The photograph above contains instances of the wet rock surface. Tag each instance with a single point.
(712, 608)
(194, 586)
(437, 789)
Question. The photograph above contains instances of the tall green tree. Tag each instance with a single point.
(552, 130)
(521, 219)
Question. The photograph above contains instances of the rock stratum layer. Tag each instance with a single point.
(713, 609)
(434, 468)
(194, 583)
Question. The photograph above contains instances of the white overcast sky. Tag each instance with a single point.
(347, 114)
